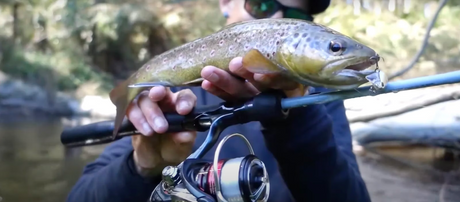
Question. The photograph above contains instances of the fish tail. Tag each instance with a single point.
(120, 97)
(124, 93)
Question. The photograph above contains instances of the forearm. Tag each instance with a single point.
(112, 177)
(310, 161)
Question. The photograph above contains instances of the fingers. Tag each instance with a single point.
(236, 66)
(208, 86)
(261, 81)
(227, 83)
(159, 93)
(147, 113)
(176, 147)
(136, 116)
(153, 114)
(182, 138)
(184, 101)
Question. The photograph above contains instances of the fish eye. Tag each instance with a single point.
(335, 47)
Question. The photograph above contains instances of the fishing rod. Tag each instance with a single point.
(201, 118)
(242, 178)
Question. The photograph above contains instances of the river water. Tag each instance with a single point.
(35, 167)
(33, 163)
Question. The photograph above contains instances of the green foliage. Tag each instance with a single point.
(398, 37)
(82, 41)
(78, 37)
(65, 70)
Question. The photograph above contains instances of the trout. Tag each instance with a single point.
(306, 52)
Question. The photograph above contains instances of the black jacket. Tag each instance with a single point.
(309, 159)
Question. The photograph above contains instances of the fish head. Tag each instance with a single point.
(325, 57)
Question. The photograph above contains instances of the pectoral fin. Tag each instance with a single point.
(255, 62)
(298, 92)
(149, 84)
(196, 82)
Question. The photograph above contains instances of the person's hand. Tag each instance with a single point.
(154, 149)
(229, 87)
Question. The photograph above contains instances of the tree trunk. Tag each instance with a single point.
(16, 20)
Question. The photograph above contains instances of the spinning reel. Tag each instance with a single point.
(195, 180)
(242, 179)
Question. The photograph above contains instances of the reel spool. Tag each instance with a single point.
(237, 179)
(242, 179)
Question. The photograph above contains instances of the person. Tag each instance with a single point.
(308, 156)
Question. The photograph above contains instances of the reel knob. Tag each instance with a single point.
(171, 175)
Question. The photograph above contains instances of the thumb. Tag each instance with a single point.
(182, 138)
(146, 152)
(177, 146)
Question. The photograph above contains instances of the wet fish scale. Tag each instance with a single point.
(298, 49)
(178, 65)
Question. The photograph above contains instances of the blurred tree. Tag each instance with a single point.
(86, 40)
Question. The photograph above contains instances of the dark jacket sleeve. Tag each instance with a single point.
(111, 172)
(315, 156)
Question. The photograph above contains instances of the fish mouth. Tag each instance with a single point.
(364, 65)
(354, 67)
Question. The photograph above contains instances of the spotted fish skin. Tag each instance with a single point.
(298, 49)
(184, 63)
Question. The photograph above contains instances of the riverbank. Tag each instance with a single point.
(18, 98)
